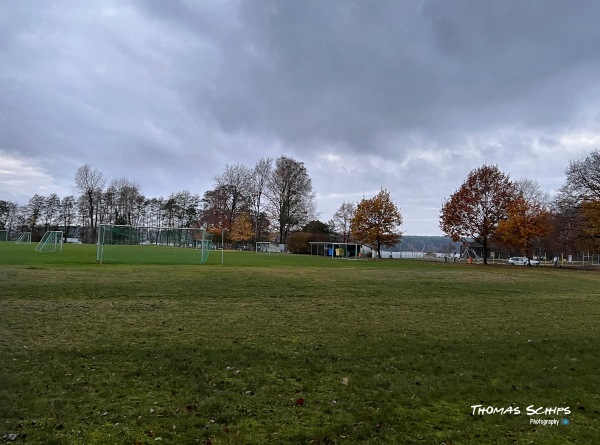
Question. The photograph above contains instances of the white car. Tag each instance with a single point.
(522, 261)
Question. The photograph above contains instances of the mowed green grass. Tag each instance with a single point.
(287, 349)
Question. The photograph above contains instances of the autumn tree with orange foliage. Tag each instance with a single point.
(242, 229)
(527, 221)
(375, 222)
(478, 206)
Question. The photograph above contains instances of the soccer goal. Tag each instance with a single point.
(152, 245)
(24, 238)
(52, 241)
(266, 247)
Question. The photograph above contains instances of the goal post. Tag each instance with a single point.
(52, 241)
(158, 245)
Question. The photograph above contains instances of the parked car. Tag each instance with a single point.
(522, 261)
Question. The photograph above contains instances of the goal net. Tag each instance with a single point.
(266, 247)
(152, 245)
(24, 238)
(52, 241)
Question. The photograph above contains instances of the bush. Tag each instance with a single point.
(299, 242)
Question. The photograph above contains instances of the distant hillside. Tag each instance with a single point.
(426, 244)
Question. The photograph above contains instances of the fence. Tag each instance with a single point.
(579, 259)
(575, 260)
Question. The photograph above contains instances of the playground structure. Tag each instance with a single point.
(470, 256)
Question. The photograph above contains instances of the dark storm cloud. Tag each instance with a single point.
(350, 73)
(313, 72)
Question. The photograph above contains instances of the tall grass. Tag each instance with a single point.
(292, 349)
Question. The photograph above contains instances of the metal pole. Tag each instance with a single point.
(202, 245)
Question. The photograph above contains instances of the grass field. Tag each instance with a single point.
(289, 349)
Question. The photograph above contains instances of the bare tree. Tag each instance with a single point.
(89, 182)
(67, 214)
(121, 200)
(577, 204)
(22, 219)
(583, 177)
(235, 183)
(342, 218)
(153, 211)
(290, 194)
(51, 210)
(34, 210)
(188, 206)
(215, 207)
(533, 193)
(259, 181)
(8, 216)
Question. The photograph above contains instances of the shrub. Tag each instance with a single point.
(299, 242)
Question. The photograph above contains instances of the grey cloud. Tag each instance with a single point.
(406, 95)
(313, 72)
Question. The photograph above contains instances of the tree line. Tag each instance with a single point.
(517, 215)
(247, 203)
(496, 211)
(274, 200)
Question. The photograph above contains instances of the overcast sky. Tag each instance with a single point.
(406, 95)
